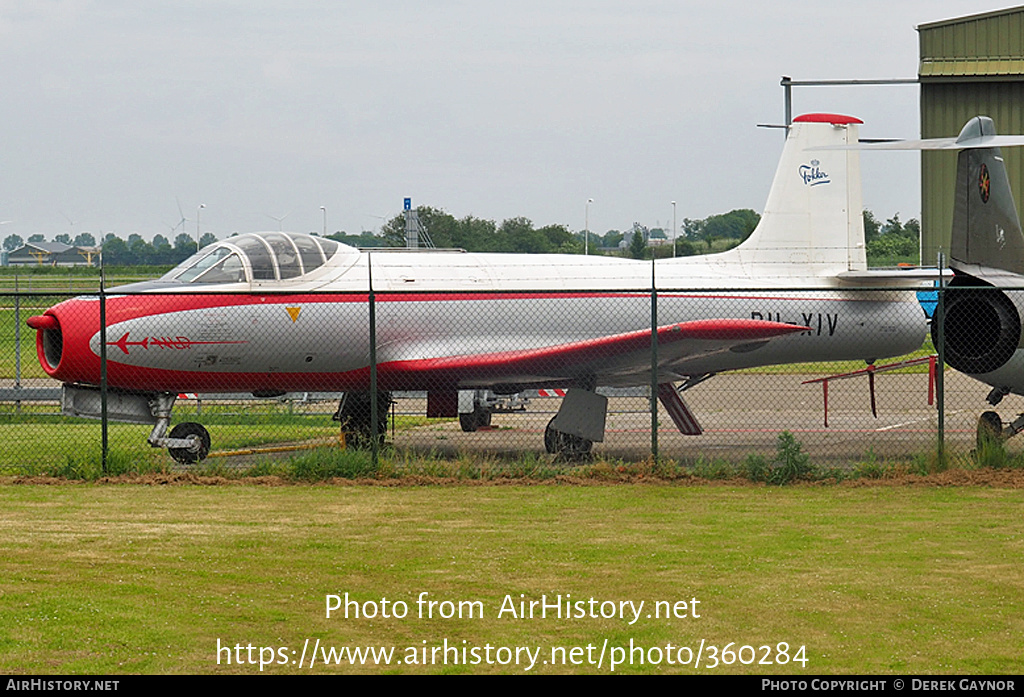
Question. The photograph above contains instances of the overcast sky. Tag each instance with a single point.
(113, 111)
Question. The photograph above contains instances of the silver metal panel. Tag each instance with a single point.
(582, 414)
(86, 403)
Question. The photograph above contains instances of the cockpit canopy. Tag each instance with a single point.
(255, 256)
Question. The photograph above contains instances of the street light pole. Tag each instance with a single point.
(673, 228)
(201, 207)
(586, 225)
(324, 210)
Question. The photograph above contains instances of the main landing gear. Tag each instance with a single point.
(990, 431)
(355, 414)
(993, 434)
(567, 445)
(474, 420)
(477, 406)
(579, 422)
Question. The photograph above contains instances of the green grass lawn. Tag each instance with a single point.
(141, 579)
(30, 447)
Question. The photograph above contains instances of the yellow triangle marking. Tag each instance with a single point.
(293, 312)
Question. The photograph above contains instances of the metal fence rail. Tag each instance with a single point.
(743, 393)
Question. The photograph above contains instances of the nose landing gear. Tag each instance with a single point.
(198, 439)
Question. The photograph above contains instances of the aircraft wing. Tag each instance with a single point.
(617, 355)
(878, 277)
(982, 141)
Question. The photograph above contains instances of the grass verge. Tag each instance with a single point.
(871, 580)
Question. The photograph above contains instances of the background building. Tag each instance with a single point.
(969, 66)
(52, 254)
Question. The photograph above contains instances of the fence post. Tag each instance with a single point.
(17, 342)
(939, 336)
(103, 372)
(373, 361)
(654, 365)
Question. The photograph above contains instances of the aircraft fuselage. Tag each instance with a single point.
(320, 341)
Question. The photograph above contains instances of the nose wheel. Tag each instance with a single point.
(198, 447)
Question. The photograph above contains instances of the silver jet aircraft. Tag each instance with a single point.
(272, 312)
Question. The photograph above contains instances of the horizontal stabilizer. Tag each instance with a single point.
(933, 144)
(977, 133)
(925, 275)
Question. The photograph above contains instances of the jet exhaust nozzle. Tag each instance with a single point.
(982, 329)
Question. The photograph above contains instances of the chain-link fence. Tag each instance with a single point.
(850, 374)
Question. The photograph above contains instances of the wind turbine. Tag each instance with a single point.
(279, 220)
(181, 223)
(71, 223)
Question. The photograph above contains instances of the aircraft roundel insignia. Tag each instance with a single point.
(984, 183)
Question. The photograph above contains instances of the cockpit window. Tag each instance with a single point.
(309, 252)
(258, 252)
(329, 246)
(266, 256)
(202, 262)
(287, 256)
(227, 270)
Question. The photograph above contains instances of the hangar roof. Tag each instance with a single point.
(987, 45)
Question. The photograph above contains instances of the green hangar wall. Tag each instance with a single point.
(969, 66)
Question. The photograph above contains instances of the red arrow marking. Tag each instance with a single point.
(177, 343)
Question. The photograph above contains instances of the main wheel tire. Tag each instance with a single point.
(479, 418)
(190, 456)
(564, 444)
(990, 430)
(468, 422)
(355, 413)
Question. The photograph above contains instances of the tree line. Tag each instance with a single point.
(890, 240)
(135, 251)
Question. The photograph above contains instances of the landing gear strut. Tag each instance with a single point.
(187, 443)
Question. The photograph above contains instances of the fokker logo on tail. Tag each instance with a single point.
(812, 174)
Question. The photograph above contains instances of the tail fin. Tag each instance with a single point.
(987, 239)
(813, 221)
(987, 234)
